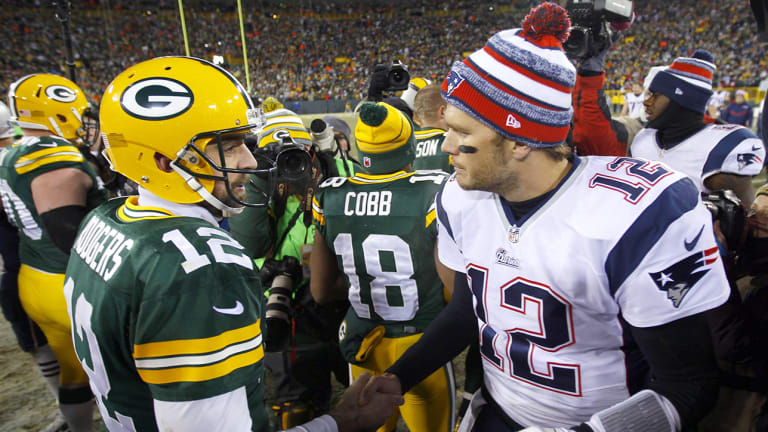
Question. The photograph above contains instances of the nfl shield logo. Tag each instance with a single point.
(367, 162)
(514, 234)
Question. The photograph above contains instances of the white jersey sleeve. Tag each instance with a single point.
(448, 250)
(740, 152)
(682, 261)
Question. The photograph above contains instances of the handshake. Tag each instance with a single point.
(367, 403)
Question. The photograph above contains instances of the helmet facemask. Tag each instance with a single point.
(191, 156)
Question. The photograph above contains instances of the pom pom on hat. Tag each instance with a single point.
(547, 19)
(703, 55)
(520, 83)
(373, 114)
(385, 140)
(271, 104)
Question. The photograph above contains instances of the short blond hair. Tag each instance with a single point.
(427, 103)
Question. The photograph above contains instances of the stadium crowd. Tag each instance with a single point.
(325, 50)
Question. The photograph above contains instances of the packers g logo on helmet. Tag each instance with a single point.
(60, 93)
(157, 99)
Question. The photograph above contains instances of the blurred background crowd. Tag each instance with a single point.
(305, 50)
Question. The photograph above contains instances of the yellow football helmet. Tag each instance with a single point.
(414, 85)
(177, 106)
(48, 102)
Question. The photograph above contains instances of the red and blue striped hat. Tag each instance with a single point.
(687, 81)
(520, 82)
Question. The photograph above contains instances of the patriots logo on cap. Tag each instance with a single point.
(745, 159)
(678, 279)
(453, 81)
(366, 161)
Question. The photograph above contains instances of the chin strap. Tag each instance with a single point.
(207, 196)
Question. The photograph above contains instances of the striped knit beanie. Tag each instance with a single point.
(282, 122)
(384, 136)
(520, 82)
(687, 81)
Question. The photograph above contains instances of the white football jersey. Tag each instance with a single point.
(618, 236)
(634, 104)
(715, 149)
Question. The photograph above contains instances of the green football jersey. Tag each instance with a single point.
(19, 165)
(164, 308)
(429, 156)
(382, 229)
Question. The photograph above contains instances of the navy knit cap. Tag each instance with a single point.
(687, 81)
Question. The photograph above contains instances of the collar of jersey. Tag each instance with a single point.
(553, 194)
(361, 178)
(150, 206)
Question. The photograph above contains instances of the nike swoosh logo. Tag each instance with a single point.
(690, 244)
(235, 310)
(755, 147)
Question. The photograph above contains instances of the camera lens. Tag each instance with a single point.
(293, 164)
(317, 126)
(577, 44)
(278, 312)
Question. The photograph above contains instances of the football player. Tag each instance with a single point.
(378, 230)
(47, 188)
(715, 156)
(429, 114)
(166, 307)
(558, 258)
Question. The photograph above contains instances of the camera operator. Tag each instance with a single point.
(301, 343)
(331, 136)
(595, 131)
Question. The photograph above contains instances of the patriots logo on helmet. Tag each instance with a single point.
(678, 279)
(453, 81)
(745, 159)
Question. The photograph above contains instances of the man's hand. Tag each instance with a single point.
(367, 403)
(379, 83)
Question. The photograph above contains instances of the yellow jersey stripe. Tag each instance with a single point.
(130, 211)
(31, 165)
(428, 133)
(48, 151)
(196, 346)
(201, 373)
(317, 211)
(318, 216)
(361, 178)
(199, 360)
(430, 218)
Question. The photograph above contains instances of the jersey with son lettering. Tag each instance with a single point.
(179, 302)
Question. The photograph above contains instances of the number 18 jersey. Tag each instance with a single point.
(617, 236)
(382, 229)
